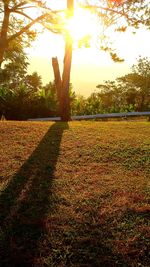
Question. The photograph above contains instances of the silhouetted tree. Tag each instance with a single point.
(118, 15)
(16, 23)
(128, 93)
(14, 72)
(34, 82)
(139, 80)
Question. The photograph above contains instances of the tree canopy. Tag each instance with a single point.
(118, 16)
(16, 19)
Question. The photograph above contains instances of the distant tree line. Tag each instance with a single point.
(128, 93)
(23, 96)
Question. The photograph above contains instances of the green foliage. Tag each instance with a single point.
(22, 104)
(33, 82)
(79, 105)
(128, 93)
(142, 67)
(49, 96)
(16, 21)
(23, 96)
(14, 71)
(139, 80)
(117, 16)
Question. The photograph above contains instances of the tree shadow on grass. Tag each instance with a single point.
(113, 241)
(27, 200)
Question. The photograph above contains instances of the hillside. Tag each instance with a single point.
(75, 194)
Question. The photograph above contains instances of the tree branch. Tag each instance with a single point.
(106, 9)
(123, 14)
(25, 7)
(23, 14)
(19, 5)
(27, 27)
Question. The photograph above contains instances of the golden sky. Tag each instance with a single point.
(90, 66)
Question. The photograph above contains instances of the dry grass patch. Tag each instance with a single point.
(75, 194)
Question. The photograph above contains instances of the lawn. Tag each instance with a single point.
(75, 194)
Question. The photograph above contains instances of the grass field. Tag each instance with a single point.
(75, 194)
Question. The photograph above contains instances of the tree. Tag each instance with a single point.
(117, 15)
(16, 22)
(34, 82)
(22, 103)
(14, 30)
(117, 96)
(62, 83)
(139, 80)
(22, 96)
(79, 105)
(49, 95)
(14, 72)
(128, 93)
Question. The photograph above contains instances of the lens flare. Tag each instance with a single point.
(83, 23)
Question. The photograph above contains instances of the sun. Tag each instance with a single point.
(82, 24)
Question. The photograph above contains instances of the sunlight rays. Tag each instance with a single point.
(82, 24)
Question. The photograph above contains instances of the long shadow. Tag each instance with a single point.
(27, 200)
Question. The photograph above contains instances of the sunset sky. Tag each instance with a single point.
(90, 66)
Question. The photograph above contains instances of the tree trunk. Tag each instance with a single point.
(58, 81)
(65, 99)
(62, 85)
(3, 33)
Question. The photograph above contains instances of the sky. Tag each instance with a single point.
(90, 66)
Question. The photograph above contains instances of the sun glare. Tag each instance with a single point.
(82, 24)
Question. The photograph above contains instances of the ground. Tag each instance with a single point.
(75, 194)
